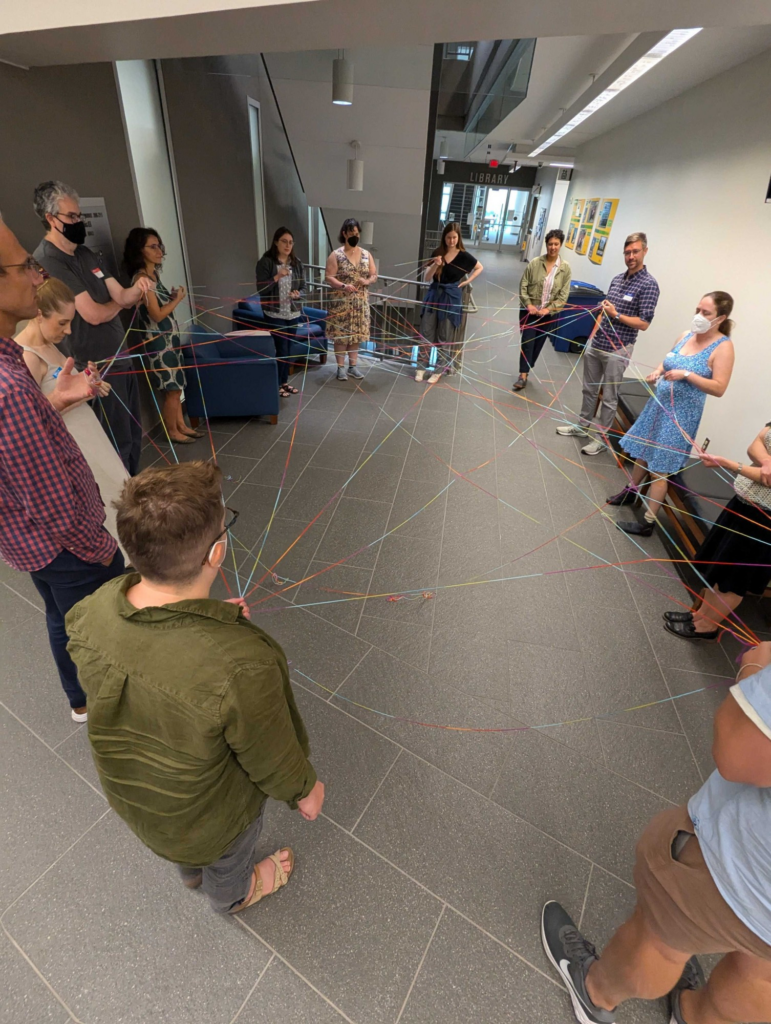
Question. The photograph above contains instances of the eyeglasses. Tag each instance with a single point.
(71, 218)
(158, 248)
(632, 252)
(29, 264)
(228, 526)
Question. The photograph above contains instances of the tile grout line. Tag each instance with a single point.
(293, 969)
(586, 897)
(377, 790)
(420, 965)
(71, 1016)
(53, 750)
(23, 598)
(348, 675)
(465, 785)
(254, 986)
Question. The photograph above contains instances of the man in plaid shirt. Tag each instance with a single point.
(51, 512)
(627, 310)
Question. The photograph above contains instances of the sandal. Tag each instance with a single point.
(280, 879)
(290, 389)
(182, 440)
(283, 392)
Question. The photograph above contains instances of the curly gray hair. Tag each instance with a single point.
(47, 196)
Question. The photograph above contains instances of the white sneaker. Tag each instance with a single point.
(434, 378)
(572, 430)
(593, 448)
(79, 717)
(420, 375)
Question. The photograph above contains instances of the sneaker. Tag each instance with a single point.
(593, 448)
(628, 496)
(643, 529)
(355, 372)
(420, 375)
(571, 955)
(79, 715)
(572, 430)
(692, 978)
(434, 378)
(341, 374)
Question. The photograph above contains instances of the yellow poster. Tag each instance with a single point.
(605, 218)
(582, 239)
(575, 220)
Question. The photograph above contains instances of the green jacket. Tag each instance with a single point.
(191, 719)
(531, 285)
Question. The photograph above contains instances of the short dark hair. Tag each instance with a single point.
(637, 236)
(273, 250)
(351, 222)
(168, 518)
(133, 260)
(556, 233)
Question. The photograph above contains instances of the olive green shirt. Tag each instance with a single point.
(531, 285)
(191, 719)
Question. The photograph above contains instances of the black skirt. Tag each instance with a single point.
(749, 544)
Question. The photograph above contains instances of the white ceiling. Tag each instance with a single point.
(73, 31)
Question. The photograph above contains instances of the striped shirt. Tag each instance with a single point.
(632, 295)
(49, 499)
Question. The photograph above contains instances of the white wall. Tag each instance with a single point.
(551, 199)
(151, 167)
(693, 174)
(396, 238)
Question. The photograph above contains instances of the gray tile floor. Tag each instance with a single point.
(417, 894)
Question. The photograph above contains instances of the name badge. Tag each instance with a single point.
(97, 272)
(628, 298)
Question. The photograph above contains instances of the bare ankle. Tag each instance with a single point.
(593, 989)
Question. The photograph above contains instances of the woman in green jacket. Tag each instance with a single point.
(543, 292)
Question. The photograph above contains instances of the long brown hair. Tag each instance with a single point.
(441, 249)
(724, 305)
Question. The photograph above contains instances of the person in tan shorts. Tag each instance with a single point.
(703, 880)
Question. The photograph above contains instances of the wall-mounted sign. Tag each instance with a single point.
(98, 235)
(575, 219)
(480, 174)
(606, 216)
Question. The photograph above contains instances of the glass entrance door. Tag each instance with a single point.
(500, 226)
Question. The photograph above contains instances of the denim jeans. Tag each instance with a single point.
(61, 584)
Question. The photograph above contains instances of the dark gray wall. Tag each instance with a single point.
(63, 122)
(209, 121)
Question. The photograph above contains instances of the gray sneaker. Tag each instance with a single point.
(571, 955)
(355, 372)
(572, 430)
(341, 374)
(593, 448)
(692, 978)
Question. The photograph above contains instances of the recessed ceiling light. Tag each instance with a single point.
(662, 49)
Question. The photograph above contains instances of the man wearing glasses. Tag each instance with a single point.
(627, 310)
(98, 333)
(51, 512)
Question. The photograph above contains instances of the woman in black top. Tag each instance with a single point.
(450, 269)
(280, 284)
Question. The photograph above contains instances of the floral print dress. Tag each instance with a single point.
(348, 320)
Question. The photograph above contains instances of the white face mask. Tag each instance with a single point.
(700, 324)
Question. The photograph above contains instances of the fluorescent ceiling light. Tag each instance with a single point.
(560, 165)
(662, 49)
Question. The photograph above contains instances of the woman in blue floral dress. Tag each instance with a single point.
(661, 439)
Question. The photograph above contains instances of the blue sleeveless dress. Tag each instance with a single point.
(666, 428)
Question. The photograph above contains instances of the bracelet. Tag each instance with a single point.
(750, 664)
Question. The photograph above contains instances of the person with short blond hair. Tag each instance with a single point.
(193, 723)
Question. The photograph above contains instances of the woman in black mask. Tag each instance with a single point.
(350, 271)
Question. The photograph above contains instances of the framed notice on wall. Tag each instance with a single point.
(575, 219)
(98, 235)
(585, 229)
(605, 218)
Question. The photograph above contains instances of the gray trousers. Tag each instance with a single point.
(227, 881)
(602, 370)
(439, 334)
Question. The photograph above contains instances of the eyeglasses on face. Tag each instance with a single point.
(229, 524)
(156, 248)
(71, 218)
(632, 252)
(29, 264)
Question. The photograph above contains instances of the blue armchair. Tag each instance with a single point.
(238, 376)
(309, 339)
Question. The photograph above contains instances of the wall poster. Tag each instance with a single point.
(575, 219)
(587, 222)
(98, 235)
(607, 214)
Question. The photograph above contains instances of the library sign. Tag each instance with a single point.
(461, 173)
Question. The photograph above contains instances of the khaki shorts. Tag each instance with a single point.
(678, 898)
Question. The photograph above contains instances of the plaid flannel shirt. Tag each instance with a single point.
(632, 295)
(49, 499)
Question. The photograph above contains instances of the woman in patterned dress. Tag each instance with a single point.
(350, 270)
(143, 257)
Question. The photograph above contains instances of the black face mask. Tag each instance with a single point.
(75, 233)
(353, 241)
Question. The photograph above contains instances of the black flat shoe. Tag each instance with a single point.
(687, 631)
(520, 383)
(643, 529)
(628, 496)
(678, 616)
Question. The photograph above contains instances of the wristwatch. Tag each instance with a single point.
(686, 374)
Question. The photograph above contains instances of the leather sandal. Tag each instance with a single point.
(280, 878)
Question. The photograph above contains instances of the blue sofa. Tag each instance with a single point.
(310, 338)
(238, 376)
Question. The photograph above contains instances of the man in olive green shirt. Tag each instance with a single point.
(191, 715)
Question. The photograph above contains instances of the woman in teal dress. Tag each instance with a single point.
(660, 441)
(143, 256)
